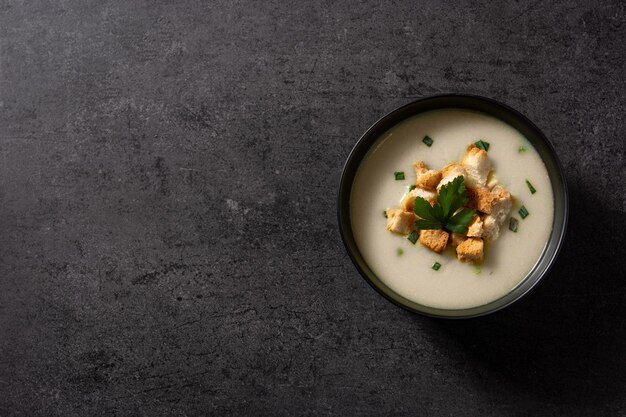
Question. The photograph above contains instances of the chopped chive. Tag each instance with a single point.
(521, 149)
(428, 141)
(412, 187)
(436, 266)
(530, 187)
(385, 213)
(400, 251)
(513, 224)
(413, 237)
(399, 175)
(481, 144)
(477, 269)
(523, 212)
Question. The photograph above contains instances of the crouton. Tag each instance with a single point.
(477, 166)
(497, 201)
(475, 227)
(471, 250)
(408, 202)
(479, 199)
(434, 239)
(429, 179)
(457, 239)
(453, 168)
(426, 178)
(501, 203)
(491, 228)
(492, 180)
(401, 222)
(450, 172)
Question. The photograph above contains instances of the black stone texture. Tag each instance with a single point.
(168, 235)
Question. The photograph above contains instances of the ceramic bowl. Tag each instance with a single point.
(495, 109)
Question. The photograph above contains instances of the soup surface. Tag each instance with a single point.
(406, 267)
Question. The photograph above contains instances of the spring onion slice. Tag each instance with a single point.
(523, 212)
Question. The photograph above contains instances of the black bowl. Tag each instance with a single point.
(492, 108)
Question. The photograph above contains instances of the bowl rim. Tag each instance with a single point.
(345, 189)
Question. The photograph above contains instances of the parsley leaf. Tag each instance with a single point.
(450, 199)
(428, 224)
(452, 196)
(458, 223)
(423, 209)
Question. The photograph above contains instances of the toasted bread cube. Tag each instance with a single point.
(477, 166)
(501, 203)
(475, 227)
(450, 172)
(434, 239)
(457, 239)
(497, 201)
(492, 180)
(471, 250)
(426, 178)
(491, 228)
(429, 179)
(479, 199)
(408, 202)
(453, 169)
(401, 222)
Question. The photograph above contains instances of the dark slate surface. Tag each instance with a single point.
(168, 229)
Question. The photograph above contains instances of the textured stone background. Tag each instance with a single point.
(168, 236)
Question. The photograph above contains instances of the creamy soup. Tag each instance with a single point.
(406, 267)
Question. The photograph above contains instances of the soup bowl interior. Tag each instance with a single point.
(467, 102)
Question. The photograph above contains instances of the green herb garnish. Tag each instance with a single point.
(400, 251)
(477, 269)
(427, 141)
(436, 266)
(521, 149)
(385, 213)
(523, 212)
(399, 175)
(412, 187)
(413, 237)
(513, 223)
(451, 197)
(481, 144)
(530, 187)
